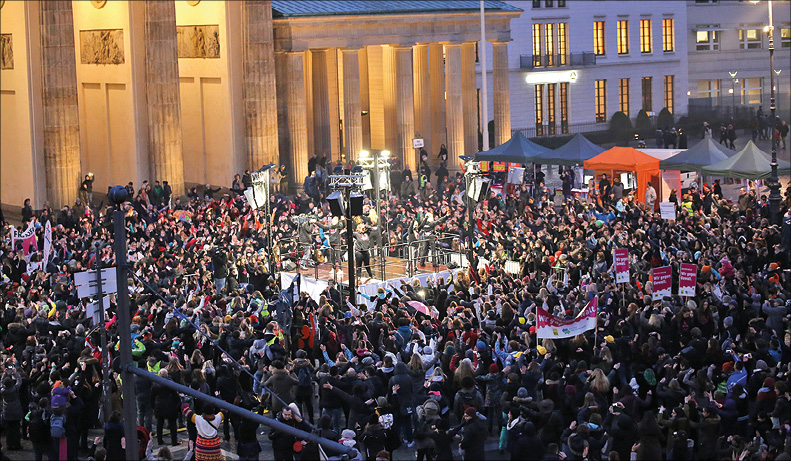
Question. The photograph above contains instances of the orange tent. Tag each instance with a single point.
(627, 159)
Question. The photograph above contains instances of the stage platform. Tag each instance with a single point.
(395, 268)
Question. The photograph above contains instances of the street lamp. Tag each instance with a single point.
(733, 89)
(773, 183)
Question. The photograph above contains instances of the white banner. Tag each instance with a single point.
(47, 244)
(312, 287)
(549, 326)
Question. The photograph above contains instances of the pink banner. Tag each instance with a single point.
(549, 326)
(621, 257)
(663, 281)
(687, 279)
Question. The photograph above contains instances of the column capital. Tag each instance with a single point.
(401, 46)
(350, 49)
(497, 41)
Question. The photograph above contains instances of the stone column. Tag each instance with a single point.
(352, 111)
(502, 91)
(437, 96)
(390, 90)
(453, 104)
(365, 98)
(321, 104)
(422, 99)
(469, 98)
(260, 100)
(165, 147)
(405, 107)
(294, 112)
(61, 115)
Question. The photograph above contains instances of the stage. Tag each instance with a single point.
(394, 268)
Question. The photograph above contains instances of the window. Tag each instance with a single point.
(536, 3)
(551, 108)
(750, 39)
(601, 100)
(623, 37)
(563, 48)
(539, 109)
(561, 3)
(536, 45)
(623, 95)
(549, 3)
(751, 90)
(564, 107)
(669, 92)
(668, 35)
(549, 43)
(708, 89)
(785, 37)
(645, 36)
(599, 43)
(704, 2)
(707, 38)
(648, 104)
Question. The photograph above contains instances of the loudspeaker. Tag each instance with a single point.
(336, 204)
(356, 204)
(479, 188)
(289, 266)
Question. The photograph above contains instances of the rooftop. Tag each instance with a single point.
(302, 8)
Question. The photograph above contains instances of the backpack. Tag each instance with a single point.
(57, 426)
(468, 400)
(303, 375)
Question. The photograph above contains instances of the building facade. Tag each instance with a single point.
(194, 91)
(573, 64)
(729, 53)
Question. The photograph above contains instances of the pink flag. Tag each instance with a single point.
(549, 326)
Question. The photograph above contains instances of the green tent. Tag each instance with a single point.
(518, 149)
(701, 154)
(749, 163)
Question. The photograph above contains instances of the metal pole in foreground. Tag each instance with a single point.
(350, 249)
(125, 333)
(106, 388)
(484, 87)
(774, 181)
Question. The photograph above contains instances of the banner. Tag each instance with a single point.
(28, 238)
(47, 244)
(621, 257)
(667, 210)
(663, 281)
(549, 326)
(687, 279)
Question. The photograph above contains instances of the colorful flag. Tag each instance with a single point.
(549, 326)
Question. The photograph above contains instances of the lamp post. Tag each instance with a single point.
(733, 90)
(774, 182)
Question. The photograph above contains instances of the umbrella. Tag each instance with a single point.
(420, 307)
(701, 154)
(750, 163)
(182, 215)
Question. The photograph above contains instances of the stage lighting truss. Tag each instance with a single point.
(353, 181)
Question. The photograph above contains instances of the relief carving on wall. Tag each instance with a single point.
(6, 52)
(105, 46)
(198, 41)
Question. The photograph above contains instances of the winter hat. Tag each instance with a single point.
(649, 377)
(727, 367)
(471, 412)
(347, 438)
(541, 350)
(761, 365)
(368, 361)
(480, 345)
(522, 393)
(727, 321)
(427, 350)
(381, 401)
(493, 368)
(546, 406)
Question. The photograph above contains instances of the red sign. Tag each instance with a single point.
(687, 279)
(621, 257)
(663, 281)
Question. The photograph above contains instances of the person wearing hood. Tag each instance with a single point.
(12, 412)
(402, 396)
(280, 383)
(649, 446)
(427, 418)
(473, 435)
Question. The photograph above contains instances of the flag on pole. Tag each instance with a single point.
(549, 326)
(47, 244)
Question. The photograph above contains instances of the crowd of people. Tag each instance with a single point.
(699, 377)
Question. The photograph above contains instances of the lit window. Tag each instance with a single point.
(601, 100)
(536, 3)
(563, 48)
(551, 108)
(669, 92)
(549, 43)
(549, 3)
(648, 104)
(536, 45)
(668, 35)
(708, 89)
(599, 43)
(751, 90)
(645, 35)
(785, 37)
(564, 107)
(539, 109)
(623, 95)
(707, 38)
(750, 39)
(623, 37)
(561, 3)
